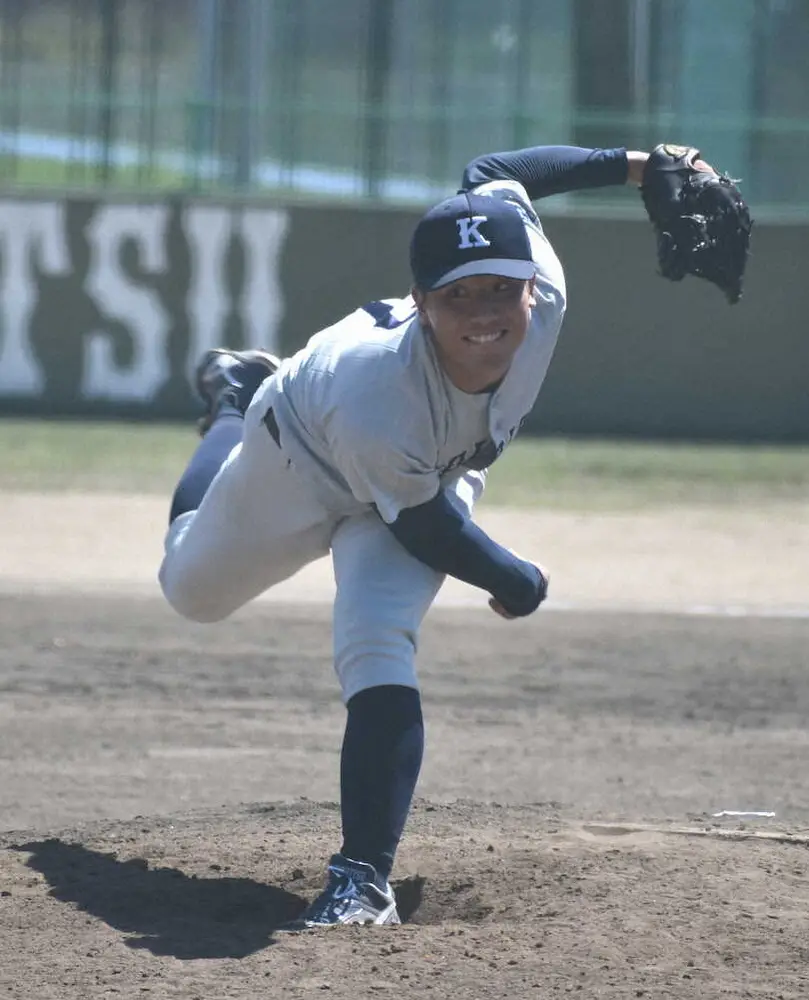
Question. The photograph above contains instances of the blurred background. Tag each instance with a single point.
(182, 174)
(388, 99)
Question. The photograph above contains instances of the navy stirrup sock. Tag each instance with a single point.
(379, 767)
(206, 461)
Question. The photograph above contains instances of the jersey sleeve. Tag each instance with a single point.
(386, 461)
(549, 170)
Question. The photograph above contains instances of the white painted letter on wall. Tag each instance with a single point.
(28, 230)
(263, 304)
(208, 231)
(138, 308)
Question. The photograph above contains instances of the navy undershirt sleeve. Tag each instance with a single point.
(440, 536)
(547, 170)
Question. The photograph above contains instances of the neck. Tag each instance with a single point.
(474, 381)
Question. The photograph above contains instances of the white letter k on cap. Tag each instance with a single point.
(469, 231)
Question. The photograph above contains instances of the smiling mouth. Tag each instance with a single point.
(485, 338)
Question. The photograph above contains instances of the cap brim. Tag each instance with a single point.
(520, 269)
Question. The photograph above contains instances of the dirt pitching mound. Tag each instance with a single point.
(151, 774)
(497, 902)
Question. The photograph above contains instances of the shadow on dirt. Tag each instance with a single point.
(409, 896)
(167, 911)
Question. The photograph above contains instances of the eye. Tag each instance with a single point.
(507, 287)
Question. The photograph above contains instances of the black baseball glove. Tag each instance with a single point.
(700, 219)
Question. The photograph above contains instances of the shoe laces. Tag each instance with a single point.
(342, 890)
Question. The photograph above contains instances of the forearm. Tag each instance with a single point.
(442, 538)
(548, 170)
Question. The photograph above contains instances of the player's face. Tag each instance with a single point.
(477, 325)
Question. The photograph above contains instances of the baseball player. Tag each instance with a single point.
(372, 444)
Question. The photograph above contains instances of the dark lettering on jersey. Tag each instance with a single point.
(382, 313)
(517, 428)
(482, 455)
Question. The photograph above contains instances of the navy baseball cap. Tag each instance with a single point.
(470, 234)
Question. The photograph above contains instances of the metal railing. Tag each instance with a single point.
(388, 99)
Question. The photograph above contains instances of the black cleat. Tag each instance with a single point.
(230, 379)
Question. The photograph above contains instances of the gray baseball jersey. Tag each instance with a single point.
(367, 415)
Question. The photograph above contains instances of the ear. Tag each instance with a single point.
(532, 294)
(419, 297)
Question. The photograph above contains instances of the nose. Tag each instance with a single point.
(484, 310)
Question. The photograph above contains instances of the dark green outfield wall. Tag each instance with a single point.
(641, 355)
(105, 305)
(638, 355)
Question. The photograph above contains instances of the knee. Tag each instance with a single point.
(376, 657)
(190, 583)
(191, 595)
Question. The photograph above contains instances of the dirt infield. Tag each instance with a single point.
(677, 557)
(168, 790)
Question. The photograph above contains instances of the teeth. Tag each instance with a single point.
(484, 338)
